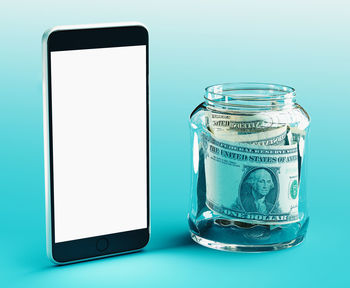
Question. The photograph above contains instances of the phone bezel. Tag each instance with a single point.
(88, 37)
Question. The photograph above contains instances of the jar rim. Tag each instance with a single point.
(227, 93)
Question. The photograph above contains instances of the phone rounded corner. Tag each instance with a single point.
(46, 35)
(144, 27)
(50, 255)
(144, 30)
(147, 239)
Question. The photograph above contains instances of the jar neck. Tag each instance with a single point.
(250, 96)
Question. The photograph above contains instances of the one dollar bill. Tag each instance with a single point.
(253, 183)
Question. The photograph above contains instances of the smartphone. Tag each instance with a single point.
(96, 139)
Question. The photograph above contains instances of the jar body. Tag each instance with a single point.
(249, 162)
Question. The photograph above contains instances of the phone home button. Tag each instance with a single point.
(102, 244)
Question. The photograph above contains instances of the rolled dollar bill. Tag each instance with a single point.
(246, 123)
(255, 129)
(257, 122)
(251, 183)
(270, 137)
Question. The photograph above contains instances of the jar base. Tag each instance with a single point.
(245, 248)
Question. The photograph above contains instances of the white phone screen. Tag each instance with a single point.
(99, 141)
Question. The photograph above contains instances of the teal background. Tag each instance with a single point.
(193, 44)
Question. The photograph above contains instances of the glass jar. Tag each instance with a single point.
(248, 181)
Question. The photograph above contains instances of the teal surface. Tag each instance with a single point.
(193, 44)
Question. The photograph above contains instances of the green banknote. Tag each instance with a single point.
(251, 182)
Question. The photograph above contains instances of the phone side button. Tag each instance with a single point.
(102, 244)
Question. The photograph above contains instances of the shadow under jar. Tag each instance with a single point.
(248, 186)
